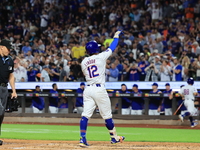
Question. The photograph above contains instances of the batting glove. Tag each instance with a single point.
(117, 34)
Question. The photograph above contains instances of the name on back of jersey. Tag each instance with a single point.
(91, 61)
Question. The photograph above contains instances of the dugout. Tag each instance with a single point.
(25, 93)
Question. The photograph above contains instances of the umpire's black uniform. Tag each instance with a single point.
(6, 68)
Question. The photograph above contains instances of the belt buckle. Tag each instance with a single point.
(3, 84)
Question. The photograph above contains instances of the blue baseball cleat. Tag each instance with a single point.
(83, 142)
(114, 141)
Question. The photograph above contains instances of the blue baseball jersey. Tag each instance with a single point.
(79, 100)
(178, 77)
(167, 101)
(63, 105)
(53, 101)
(154, 103)
(126, 102)
(38, 102)
(137, 102)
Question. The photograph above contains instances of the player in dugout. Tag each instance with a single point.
(167, 101)
(137, 103)
(37, 102)
(154, 103)
(126, 102)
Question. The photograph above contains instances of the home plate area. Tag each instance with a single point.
(94, 145)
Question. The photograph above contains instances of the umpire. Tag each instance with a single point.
(6, 75)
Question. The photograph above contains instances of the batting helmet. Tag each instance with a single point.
(92, 47)
(190, 81)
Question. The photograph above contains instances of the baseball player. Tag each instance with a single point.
(95, 93)
(180, 101)
(168, 100)
(79, 100)
(188, 92)
(154, 103)
(137, 102)
(126, 102)
(53, 101)
(38, 102)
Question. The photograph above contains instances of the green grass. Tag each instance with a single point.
(60, 132)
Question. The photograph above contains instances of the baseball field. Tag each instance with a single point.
(66, 137)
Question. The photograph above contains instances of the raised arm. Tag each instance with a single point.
(114, 43)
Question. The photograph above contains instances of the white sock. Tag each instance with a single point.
(113, 134)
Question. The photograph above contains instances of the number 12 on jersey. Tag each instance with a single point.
(93, 71)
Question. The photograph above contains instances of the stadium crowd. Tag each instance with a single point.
(160, 42)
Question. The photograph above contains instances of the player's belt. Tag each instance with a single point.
(97, 85)
(4, 84)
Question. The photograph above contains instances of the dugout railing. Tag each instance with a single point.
(24, 97)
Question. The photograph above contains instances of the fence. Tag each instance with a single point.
(115, 97)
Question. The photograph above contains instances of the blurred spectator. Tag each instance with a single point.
(26, 48)
(55, 73)
(152, 73)
(45, 74)
(62, 74)
(56, 32)
(79, 99)
(155, 103)
(165, 71)
(31, 73)
(113, 73)
(198, 68)
(19, 71)
(192, 69)
(44, 20)
(134, 71)
(137, 103)
(38, 102)
(125, 74)
(177, 70)
(53, 101)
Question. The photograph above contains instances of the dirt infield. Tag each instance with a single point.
(95, 145)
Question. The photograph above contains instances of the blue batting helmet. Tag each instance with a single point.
(190, 81)
(92, 47)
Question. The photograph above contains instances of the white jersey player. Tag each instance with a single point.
(188, 93)
(95, 93)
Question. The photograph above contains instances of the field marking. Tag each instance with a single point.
(57, 131)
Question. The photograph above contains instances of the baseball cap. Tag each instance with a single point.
(135, 85)
(195, 43)
(82, 83)
(158, 57)
(154, 84)
(6, 43)
(167, 84)
(141, 54)
(155, 51)
(37, 86)
(45, 67)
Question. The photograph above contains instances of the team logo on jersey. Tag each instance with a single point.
(37, 94)
(146, 94)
